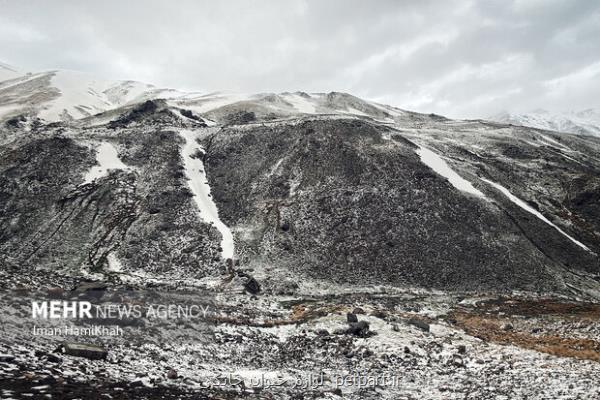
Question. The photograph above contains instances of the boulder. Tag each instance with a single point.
(89, 351)
(252, 286)
(90, 290)
(507, 327)
(7, 358)
(55, 292)
(360, 329)
(172, 374)
(422, 325)
(351, 317)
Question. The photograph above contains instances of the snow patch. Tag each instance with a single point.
(436, 163)
(194, 168)
(300, 103)
(108, 158)
(114, 264)
(211, 102)
(76, 89)
(533, 211)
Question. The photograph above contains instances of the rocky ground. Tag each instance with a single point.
(353, 343)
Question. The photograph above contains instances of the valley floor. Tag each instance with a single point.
(408, 344)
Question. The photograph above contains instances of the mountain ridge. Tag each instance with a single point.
(584, 122)
(321, 187)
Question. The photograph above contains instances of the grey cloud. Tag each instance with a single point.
(458, 58)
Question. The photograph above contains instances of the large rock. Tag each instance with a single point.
(351, 317)
(84, 350)
(419, 323)
(7, 358)
(360, 329)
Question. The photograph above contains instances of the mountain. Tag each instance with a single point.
(326, 187)
(323, 235)
(586, 122)
(64, 95)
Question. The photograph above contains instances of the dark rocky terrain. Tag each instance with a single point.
(459, 290)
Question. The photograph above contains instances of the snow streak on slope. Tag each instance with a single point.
(300, 102)
(436, 163)
(194, 168)
(108, 158)
(533, 211)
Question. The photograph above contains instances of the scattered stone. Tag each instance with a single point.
(172, 374)
(358, 310)
(322, 332)
(7, 358)
(91, 290)
(462, 349)
(53, 358)
(89, 351)
(422, 325)
(351, 317)
(360, 329)
(458, 361)
(137, 383)
(284, 287)
(379, 314)
(47, 380)
(55, 292)
(507, 327)
(252, 286)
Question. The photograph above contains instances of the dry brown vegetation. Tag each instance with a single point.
(486, 321)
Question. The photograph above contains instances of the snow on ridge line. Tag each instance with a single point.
(108, 158)
(194, 170)
(438, 165)
(533, 211)
(300, 103)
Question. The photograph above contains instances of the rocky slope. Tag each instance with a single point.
(465, 252)
(394, 198)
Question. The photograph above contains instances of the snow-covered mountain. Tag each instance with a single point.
(62, 95)
(400, 176)
(65, 95)
(315, 225)
(586, 122)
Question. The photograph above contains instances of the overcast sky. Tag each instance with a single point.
(457, 58)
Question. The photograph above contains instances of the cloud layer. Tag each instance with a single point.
(457, 58)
